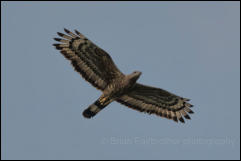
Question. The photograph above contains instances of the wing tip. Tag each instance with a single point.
(57, 46)
(175, 119)
(187, 117)
(190, 111)
(77, 32)
(182, 120)
(60, 34)
(66, 30)
(57, 39)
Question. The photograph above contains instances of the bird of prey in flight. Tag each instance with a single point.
(97, 67)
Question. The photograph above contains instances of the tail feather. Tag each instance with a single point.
(93, 109)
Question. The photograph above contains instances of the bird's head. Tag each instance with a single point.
(134, 76)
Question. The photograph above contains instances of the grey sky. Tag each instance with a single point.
(189, 48)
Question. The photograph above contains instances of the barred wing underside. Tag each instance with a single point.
(92, 62)
(158, 101)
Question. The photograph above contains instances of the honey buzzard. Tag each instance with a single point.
(96, 66)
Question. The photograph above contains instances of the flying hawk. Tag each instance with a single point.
(96, 66)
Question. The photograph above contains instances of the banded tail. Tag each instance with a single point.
(93, 109)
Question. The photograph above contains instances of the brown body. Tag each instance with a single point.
(117, 88)
(96, 66)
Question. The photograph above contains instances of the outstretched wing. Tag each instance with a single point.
(93, 63)
(158, 101)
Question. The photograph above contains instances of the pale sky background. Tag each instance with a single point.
(189, 48)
